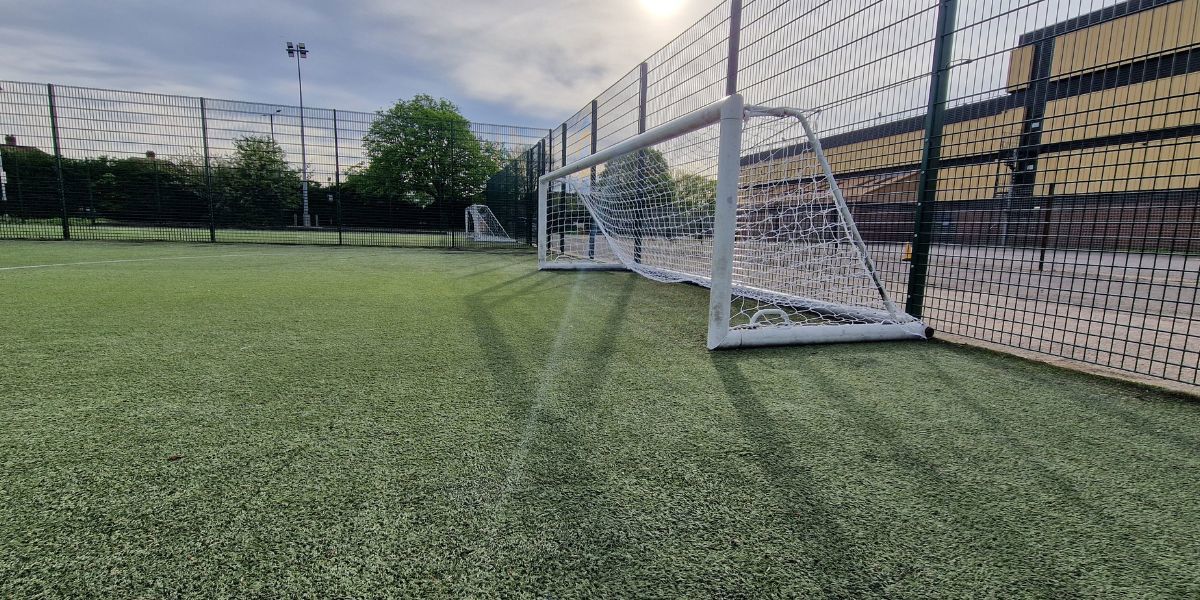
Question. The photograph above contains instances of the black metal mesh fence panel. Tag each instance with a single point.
(1064, 219)
(93, 164)
(1025, 172)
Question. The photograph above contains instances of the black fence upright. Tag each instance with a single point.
(451, 235)
(562, 231)
(643, 79)
(592, 133)
(735, 37)
(1047, 213)
(58, 164)
(337, 177)
(931, 153)
(547, 151)
(212, 217)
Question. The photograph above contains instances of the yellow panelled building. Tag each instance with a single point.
(1107, 103)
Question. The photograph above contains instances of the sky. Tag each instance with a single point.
(519, 62)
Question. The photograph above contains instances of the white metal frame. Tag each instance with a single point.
(731, 112)
(471, 226)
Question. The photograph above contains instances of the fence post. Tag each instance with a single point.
(58, 166)
(931, 155)
(1046, 220)
(543, 168)
(443, 201)
(562, 199)
(212, 219)
(735, 43)
(593, 132)
(337, 177)
(643, 84)
(531, 201)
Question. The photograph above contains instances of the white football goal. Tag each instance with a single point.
(740, 199)
(483, 226)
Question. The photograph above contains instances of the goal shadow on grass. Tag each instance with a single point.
(1010, 462)
(549, 491)
(836, 561)
(519, 378)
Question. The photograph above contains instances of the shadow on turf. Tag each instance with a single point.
(835, 558)
(937, 485)
(518, 369)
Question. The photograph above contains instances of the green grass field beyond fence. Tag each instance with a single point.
(84, 230)
(238, 420)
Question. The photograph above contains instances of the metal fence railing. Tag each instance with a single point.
(1039, 159)
(84, 163)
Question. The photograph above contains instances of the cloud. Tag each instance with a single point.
(517, 61)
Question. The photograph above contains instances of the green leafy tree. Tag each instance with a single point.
(256, 185)
(422, 152)
(642, 175)
(694, 191)
(640, 180)
(32, 188)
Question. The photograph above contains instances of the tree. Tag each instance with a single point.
(694, 191)
(32, 187)
(638, 181)
(255, 186)
(422, 152)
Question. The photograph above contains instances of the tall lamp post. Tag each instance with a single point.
(298, 51)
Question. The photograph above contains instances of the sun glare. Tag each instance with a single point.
(662, 8)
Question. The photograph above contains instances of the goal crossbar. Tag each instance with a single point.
(857, 323)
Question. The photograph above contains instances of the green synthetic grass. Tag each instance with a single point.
(346, 422)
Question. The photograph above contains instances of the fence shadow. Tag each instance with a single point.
(836, 559)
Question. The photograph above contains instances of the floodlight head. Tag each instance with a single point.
(291, 49)
(302, 50)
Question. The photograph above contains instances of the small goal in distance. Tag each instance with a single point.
(483, 226)
(739, 199)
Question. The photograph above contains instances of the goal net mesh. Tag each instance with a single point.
(483, 226)
(795, 259)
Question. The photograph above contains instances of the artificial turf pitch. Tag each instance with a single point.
(225, 420)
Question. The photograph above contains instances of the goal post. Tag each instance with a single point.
(740, 199)
(483, 226)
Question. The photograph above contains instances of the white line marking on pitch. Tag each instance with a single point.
(128, 260)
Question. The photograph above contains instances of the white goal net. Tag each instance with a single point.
(737, 199)
(483, 226)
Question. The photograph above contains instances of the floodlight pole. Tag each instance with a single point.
(299, 51)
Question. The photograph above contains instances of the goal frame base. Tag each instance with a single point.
(821, 334)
